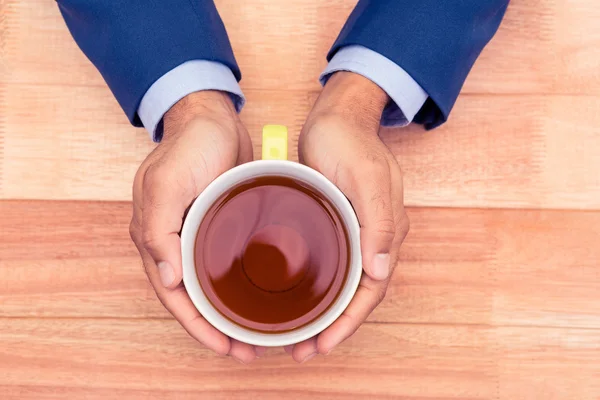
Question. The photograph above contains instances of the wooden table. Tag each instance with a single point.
(498, 292)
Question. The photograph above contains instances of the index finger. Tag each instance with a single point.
(178, 303)
(368, 296)
(165, 197)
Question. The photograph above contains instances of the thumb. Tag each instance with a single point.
(162, 216)
(370, 195)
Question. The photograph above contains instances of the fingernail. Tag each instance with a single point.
(308, 357)
(381, 266)
(260, 351)
(166, 273)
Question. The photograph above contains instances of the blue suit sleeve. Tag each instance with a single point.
(135, 42)
(435, 41)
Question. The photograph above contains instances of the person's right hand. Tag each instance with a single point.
(203, 137)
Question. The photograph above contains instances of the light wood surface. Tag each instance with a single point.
(458, 266)
(155, 359)
(497, 295)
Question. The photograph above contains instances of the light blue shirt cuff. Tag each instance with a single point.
(406, 94)
(191, 76)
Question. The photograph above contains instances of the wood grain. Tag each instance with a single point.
(505, 151)
(98, 139)
(493, 267)
(426, 362)
(497, 151)
(550, 364)
(489, 156)
(156, 359)
(497, 295)
(542, 46)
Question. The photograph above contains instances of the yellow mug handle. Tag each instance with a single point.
(274, 142)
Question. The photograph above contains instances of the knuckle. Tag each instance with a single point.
(133, 231)
(385, 227)
(164, 180)
(150, 241)
(139, 175)
(154, 174)
(155, 185)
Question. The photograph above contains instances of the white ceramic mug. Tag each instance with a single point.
(274, 163)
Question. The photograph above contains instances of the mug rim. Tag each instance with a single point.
(205, 201)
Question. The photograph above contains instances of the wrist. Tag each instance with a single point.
(208, 104)
(354, 96)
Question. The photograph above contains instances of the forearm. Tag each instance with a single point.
(133, 43)
(435, 42)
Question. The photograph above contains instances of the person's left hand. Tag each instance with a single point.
(340, 140)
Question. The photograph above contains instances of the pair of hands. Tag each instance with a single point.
(204, 137)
